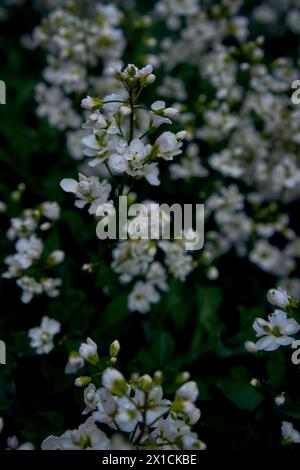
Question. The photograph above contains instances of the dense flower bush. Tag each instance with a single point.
(166, 101)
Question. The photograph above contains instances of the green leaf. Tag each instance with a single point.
(242, 395)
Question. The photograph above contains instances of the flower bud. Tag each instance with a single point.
(82, 381)
(88, 267)
(56, 257)
(250, 347)
(280, 399)
(91, 103)
(171, 113)
(146, 383)
(255, 382)
(183, 377)
(150, 79)
(181, 135)
(45, 226)
(125, 110)
(158, 377)
(114, 348)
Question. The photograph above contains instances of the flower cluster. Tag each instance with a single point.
(112, 140)
(76, 43)
(113, 143)
(279, 330)
(134, 414)
(233, 120)
(32, 259)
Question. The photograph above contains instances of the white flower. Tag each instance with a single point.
(87, 437)
(91, 398)
(95, 122)
(75, 362)
(112, 103)
(14, 444)
(28, 250)
(114, 381)
(151, 173)
(179, 263)
(172, 434)
(89, 351)
(41, 338)
(90, 103)
(127, 415)
(276, 331)
(189, 391)
(136, 151)
(117, 163)
(289, 434)
(88, 190)
(142, 296)
(167, 146)
(50, 210)
(30, 287)
(50, 286)
(159, 107)
(129, 158)
(278, 297)
(106, 405)
(158, 114)
(157, 276)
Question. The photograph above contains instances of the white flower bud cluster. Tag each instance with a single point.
(136, 410)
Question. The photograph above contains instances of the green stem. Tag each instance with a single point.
(131, 124)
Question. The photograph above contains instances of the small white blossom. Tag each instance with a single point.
(89, 351)
(41, 338)
(168, 146)
(88, 190)
(142, 296)
(278, 297)
(289, 434)
(276, 331)
(87, 437)
(75, 362)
